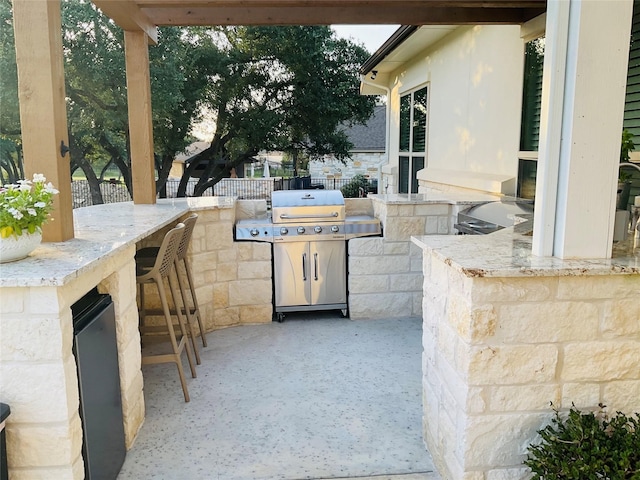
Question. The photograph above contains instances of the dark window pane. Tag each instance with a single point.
(419, 120)
(532, 95)
(417, 163)
(405, 119)
(403, 187)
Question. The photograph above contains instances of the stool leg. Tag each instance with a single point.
(174, 344)
(196, 307)
(187, 310)
(185, 337)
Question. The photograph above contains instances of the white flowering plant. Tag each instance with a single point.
(25, 206)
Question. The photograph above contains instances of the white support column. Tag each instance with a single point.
(584, 84)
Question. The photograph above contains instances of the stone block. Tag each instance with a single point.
(443, 225)
(229, 255)
(366, 247)
(582, 395)
(492, 290)
(403, 228)
(499, 440)
(254, 270)
(548, 322)
(129, 362)
(227, 317)
(32, 338)
(220, 295)
(432, 209)
(250, 314)
(406, 282)
(250, 292)
(368, 284)
(261, 251)
(12, 300)
(474, 324)
(396, 248)
(127, 327)
(46, 445)
(621, 318)
(519, 364)
(431, 225)
(599, 287)
(601, 361)
(522, 473)
(45, 301)
(391, 305)
(380, 265)
(226, 272)
(38, 392)
(244, 251)
(523, 397)
(622, 396)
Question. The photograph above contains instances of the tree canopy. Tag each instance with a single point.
(267, 88)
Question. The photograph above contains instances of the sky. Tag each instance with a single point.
(372, 36)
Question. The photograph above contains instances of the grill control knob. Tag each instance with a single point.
(284, 231)
(300, 230)
(254, 232)
(335, 229)
(317, 229)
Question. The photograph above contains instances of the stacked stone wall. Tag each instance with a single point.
(497, 351)
(385, 273)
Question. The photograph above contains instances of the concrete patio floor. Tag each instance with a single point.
(315, 397)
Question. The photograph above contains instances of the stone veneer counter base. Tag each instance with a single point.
(505, 333)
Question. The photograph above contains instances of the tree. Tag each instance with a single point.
(11, 168)
(278, 88)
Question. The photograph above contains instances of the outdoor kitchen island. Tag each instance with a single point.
(505, 333)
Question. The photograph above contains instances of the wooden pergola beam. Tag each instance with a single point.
(341, 14)
(127, 14)
(320, 12)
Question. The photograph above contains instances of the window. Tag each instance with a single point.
(413, 138)
(530, 123)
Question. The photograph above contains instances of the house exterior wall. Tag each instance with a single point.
(474, 77)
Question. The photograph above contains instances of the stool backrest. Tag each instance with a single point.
(168, 250)
(189, 224)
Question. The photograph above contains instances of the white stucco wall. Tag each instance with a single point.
(475, 93)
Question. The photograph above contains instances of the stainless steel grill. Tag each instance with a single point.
(492, 216)
(309, 231)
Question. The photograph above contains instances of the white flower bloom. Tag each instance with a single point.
(25, 185)
(32, 212)
(49, 188)
(15, 213)
(39, 204)
(38, 177)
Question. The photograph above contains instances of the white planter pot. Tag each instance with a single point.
(17, 248)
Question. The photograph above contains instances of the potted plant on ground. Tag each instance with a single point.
(24, 208)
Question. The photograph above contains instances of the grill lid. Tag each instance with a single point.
(501, 214)
(306, 198)
(290, 206)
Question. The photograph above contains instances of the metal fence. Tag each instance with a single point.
(243, 188)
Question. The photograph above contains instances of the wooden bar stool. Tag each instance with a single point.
(147, 255)
(163, 265)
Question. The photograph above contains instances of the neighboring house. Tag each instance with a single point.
(182, 159)
(368, 154)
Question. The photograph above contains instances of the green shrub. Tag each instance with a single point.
(585, 446)
(352, 189)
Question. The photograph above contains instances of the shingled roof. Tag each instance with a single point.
(371, 136)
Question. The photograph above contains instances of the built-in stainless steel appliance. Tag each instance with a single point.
(309, 231)
(492, 216)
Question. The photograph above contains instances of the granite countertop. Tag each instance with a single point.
(101, 231)
(507, 253)
(436, 196)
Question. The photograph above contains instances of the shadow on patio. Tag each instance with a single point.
(315, 397)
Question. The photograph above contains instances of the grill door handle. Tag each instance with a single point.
(304, 267)
(315, 267)
(284, 216)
